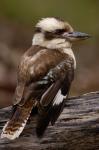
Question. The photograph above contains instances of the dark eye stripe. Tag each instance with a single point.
(48, 35)
(56, 33)
(59, 31)
(37, 30)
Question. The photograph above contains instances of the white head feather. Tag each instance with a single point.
(50, 24)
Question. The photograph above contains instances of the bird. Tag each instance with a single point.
(44, 76)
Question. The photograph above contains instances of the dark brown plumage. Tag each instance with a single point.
(45, 73)
(47, 69)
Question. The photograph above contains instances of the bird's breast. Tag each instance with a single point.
(69, 51)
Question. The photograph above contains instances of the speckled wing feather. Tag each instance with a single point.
(62, 95)
(34, 65)
(53, 100)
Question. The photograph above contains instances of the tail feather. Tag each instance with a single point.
(16, 124)
(42, 123)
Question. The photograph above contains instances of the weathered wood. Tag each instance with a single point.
(76, 129)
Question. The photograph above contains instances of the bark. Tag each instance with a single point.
(76, 129)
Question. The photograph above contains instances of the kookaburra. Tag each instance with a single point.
(45, 73)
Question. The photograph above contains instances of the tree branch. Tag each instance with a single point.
(76, 129)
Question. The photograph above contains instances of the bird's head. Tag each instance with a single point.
(56, 33)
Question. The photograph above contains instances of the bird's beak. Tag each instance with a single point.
(75, 36)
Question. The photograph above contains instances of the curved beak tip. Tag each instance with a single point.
(83, 35)
(80, 35)
(77, 35)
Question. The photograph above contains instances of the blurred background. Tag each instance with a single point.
(17, 21)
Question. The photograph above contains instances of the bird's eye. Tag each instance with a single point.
(70, 32)
(59, 31)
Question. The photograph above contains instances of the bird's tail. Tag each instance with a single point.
(16, 124)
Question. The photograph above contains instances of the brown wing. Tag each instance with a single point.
(40, 74)
(52, 102)
(34, 66)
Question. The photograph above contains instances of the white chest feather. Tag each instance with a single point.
(70, 53)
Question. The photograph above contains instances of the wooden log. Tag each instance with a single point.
(76, 129)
